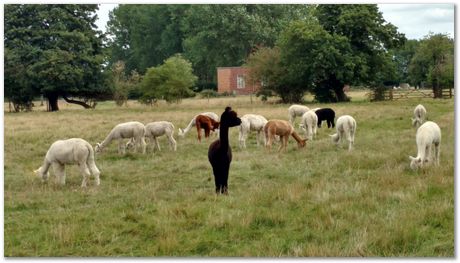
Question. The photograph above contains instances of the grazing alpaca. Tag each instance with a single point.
(419, 114)
(122, 131)
(283, 129)
(251, 122)
(309, 124)
(428, 134)
(326, 114)
(211, 115)
(220, 152)
(206, 123)
(71, 151)
(346, 128)
(296, 110)
(156, 129)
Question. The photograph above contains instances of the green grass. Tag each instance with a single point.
(313, 202)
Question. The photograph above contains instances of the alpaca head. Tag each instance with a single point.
(98, 148)
(415, 162)
(230, 118)
(39, 173)
(302, 143)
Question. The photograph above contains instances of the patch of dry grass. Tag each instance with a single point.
(319, 201)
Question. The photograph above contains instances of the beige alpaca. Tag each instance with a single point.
(283, 129)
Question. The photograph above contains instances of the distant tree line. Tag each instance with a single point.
(168, 52)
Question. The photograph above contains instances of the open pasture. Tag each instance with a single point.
(317, 201)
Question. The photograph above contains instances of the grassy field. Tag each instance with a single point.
(314, 202)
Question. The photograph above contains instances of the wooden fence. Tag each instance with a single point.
(401, 94)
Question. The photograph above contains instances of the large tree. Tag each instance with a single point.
(433, 62)
(59, 51)
(370, 38)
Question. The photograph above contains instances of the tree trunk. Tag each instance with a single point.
(53, 102)
(340, 94)
(81, 103)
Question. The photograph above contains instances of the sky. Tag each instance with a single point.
(414, 20)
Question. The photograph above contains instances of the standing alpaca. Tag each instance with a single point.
(296, 110)
(122, 131)
(428, 134)
(419, 116)
(192, 123)
(206, 123)
(71, 151)
(156, 129)
(346, 127)
(326, 114)
(283, 129)
(220, 152)
(251, 122)
(309, 124)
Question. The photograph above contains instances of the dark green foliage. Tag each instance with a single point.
(171, 81)
(58, 49)
(433, 62)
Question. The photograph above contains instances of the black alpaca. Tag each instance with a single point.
(220, 152)
(326, 114)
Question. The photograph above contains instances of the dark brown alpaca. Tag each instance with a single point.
(206, 123)
(220, 152)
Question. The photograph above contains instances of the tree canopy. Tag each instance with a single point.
(59, 51)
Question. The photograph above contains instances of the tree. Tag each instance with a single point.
(59, 49)
(145, 35)
(370, 38)
(434, 62)
(402, 57)
(170, 81)
(123, 85)
(317, 61)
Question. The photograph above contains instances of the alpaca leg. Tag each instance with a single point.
(437, 153)
(157, 144)
(198, 130)
(121, 149)
(241, 138)
(143, 145)
(59, 171)
(95, 172)
(221, 178)
(172, 143)
(85, 173)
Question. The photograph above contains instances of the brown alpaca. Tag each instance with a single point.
(283, 129)
(206, 123)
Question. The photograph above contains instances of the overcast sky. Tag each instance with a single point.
(414, 20)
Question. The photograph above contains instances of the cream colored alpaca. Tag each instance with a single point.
(346, 128)
(71, 151)
(428, 135)
(296, 110)
(251, 122)
(211, 115)
(309, 124)
(153, 130)
(419, 116)
(127, 130)
(283, 129)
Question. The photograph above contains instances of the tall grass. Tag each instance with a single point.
(314, 202)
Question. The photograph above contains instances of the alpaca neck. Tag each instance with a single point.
(223, 136)
(107, 140)
(296, 137)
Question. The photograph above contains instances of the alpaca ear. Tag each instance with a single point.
(411, 158)
(331, 135)
(228, 108)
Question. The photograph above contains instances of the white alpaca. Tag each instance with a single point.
(251, 122)
(427, 135)
(419, 116)
(71, 151)
(211, 115)
(156, 129)
(346, 128)
(127, 130)
(309, 124)
(296, 110)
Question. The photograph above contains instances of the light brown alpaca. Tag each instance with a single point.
(206, 123)
(283, 129)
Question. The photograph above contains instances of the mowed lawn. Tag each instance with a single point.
(312, 202)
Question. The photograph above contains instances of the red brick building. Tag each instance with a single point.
(235, 80)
